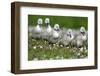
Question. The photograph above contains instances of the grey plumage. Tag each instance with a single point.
(80, 38)
(67, 38)
(55, 34)
(37, 30)
(46, 33)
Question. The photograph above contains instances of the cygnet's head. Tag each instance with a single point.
(69, 32)
(47, 20)
(56, 27)
(40, 21)
(82, 30)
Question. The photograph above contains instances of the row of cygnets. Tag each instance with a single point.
(63, 36)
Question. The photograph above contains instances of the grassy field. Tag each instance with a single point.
(63, 21)
(42, 50)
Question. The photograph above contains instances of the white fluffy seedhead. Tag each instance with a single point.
(82, 29)
(40, 21)
(56, 26)
(47, 20)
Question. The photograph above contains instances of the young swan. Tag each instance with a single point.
(55, 36)
(47, 30)
(67, 38)
(36, 32)
(81, 38)
(48, 27)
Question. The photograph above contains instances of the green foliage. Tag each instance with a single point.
(63, 21)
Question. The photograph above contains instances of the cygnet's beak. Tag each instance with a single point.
(83, 33)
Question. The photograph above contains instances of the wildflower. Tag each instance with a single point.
(49, 45)
(34, 47)
(67, 47)
(81, 49)
(35, 58)
(53, 44)
(78, 54)
(57, 45)
(61, 45)
(41, 47)
(57, 57)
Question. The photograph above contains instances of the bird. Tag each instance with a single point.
(48, 27)
(67, 38)
(37, 30)
(55, 35)
(47, 30)
(81, 39)
(83, 33)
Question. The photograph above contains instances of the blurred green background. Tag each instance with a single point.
(63, 21)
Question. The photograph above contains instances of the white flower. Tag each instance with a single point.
(34, 47)
(84, 48)
(61, 45)
(57, 45)
(67, 47)
(81, 49)
(86, 51)
(49, 45)
(78, 54)
(35, 58)
(57, 57)
(41, 47)
(53, 44)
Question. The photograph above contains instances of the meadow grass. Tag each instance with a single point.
(42, 50)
